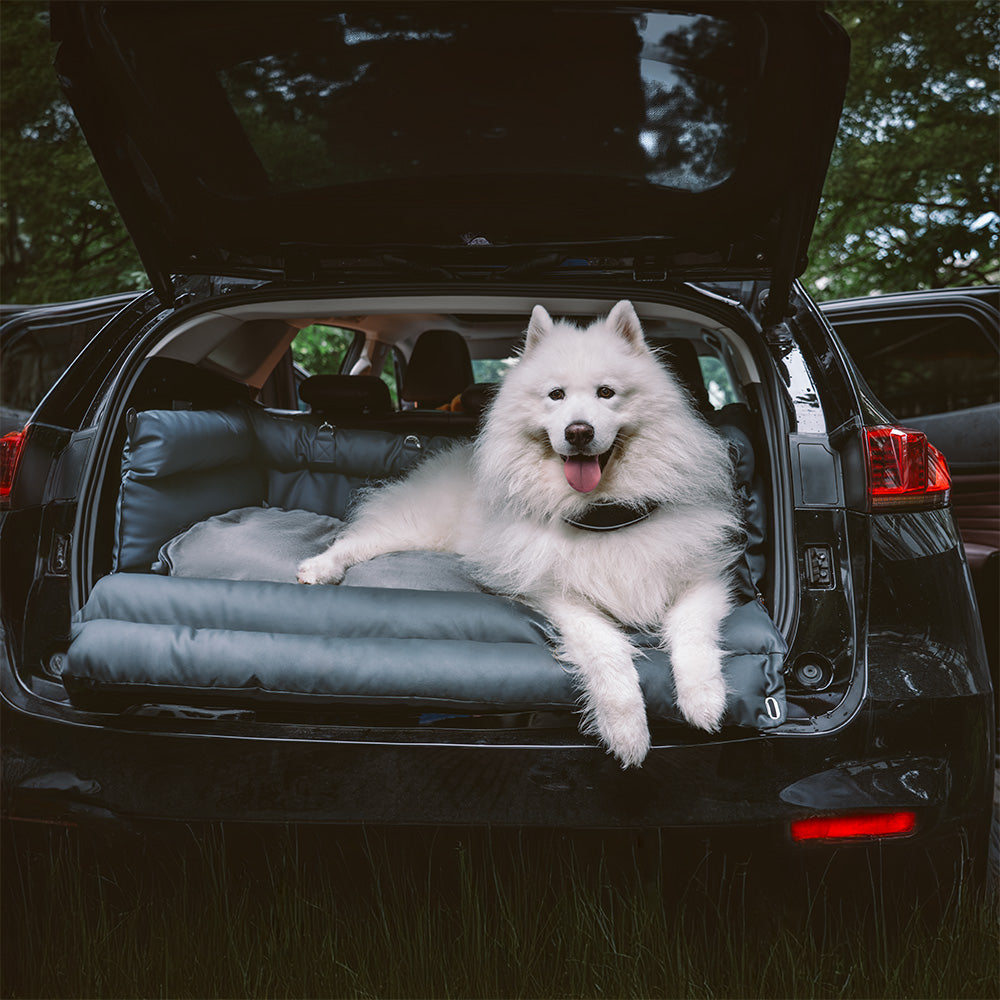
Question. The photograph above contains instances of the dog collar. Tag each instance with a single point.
(609, 516)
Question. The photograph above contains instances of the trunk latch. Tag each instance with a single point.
(819, 567)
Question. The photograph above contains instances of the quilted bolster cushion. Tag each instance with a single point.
(182, 466)
(178, 467)
(318, 468)
(245, 642)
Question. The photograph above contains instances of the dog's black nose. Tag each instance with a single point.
(579, 434)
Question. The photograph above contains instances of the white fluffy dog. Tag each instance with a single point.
(596, 493)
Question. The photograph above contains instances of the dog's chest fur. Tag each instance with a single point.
(633, 574)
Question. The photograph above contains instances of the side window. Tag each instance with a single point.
(320, 350)
(930, 364)
(718, 382)
(35, 357)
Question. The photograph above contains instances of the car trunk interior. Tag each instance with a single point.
(188, 441)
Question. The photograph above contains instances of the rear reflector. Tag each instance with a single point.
(905, 472)
(858, 826)
(10, 453)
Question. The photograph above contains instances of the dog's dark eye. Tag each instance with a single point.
(557, 394)
(605, 392)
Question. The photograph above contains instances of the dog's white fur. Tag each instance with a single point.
(501, 504)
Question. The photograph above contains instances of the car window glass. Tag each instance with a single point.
(925, 364)
(719, 383)
(383, 93)
(320, 349)
(34, 358)
(491, 369)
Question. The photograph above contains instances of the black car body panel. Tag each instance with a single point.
(890, 761)
(888, 695)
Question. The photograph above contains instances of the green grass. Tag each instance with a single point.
(347, 914)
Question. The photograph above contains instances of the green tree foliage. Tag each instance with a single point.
(911, 197)
(320, 349)
(910, 200)
(60, 234)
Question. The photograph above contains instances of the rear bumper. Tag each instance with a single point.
(934, 757)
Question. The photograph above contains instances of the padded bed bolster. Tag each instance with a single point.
(289, 443)
(731, 424)
(320, 468)
(179, 467)
(320, 671)
(165, 442)
(344, 612)
(183, 466)
(235, 642)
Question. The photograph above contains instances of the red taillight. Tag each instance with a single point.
(905, 472)
(858, 826)
(10, 452)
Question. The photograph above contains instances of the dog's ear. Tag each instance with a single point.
(624, 321)
(539, 325)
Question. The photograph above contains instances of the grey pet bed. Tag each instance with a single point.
(407, 629)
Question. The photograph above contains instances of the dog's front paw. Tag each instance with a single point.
(624, 732)
(630, 744)
(703, 704)
(320, 569)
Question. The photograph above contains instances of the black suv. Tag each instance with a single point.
(377, 173)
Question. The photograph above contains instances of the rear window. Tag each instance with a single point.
(719, 384)
(491, 369)
(385, 94)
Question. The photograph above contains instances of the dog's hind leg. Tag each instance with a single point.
(601, 655)
(691, 635)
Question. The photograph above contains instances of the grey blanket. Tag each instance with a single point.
(267, 543)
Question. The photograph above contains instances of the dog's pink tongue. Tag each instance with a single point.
(583, 472)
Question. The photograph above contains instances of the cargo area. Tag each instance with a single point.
(206, 498)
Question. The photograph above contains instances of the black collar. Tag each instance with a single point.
(609, 515)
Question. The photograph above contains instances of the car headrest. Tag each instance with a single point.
(346, 394)
(438, 370)
(476, 397)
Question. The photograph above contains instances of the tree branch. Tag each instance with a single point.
(110, 248)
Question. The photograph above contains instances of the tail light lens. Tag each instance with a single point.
(10, 453)
(905, 471)
(860, 826)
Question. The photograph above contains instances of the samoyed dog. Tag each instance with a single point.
(596, 493)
